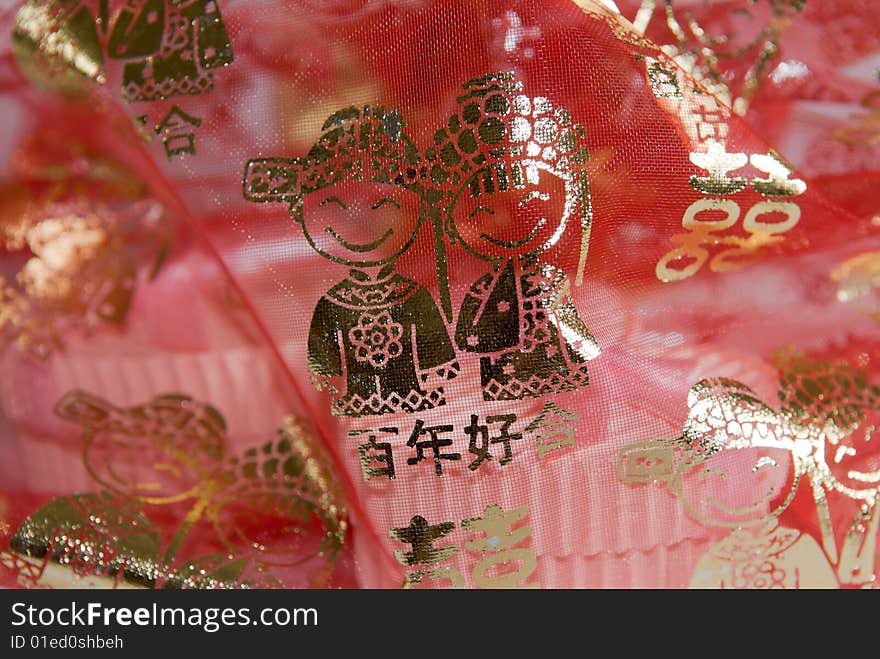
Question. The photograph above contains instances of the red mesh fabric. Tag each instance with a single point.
(558, 264)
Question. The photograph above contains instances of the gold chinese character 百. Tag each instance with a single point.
(377, 458)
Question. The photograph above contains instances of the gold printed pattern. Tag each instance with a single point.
(377, 341)
(704, 54)
(170, 47)
(706, 230)
(80, 274)
(498, 541)
(56, 41)
(820, 432)
(253, 509)
(519, 157)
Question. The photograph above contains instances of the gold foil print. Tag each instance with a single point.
(704, 55)
(552, 429)
(176, 130)
(718, 163)
(777, 184)
(497, 541)
(706, 230)
(421, 536)
(506, 152)
(377, 340)
(819, 432)
(172, 450)
(169, 48)
(92, 535)
(725, 416)
(376, 458)
(56, 42)
(497, 544)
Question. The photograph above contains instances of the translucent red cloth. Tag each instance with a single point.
(428, 294)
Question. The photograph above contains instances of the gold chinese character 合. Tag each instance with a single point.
(553, 428)
(177, 136)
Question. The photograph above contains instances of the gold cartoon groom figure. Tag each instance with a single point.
(377, 341)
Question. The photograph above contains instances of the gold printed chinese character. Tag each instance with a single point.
(777, 184)
(173, 129)
(481, 441)
(499, 542)
(377, 458)
(718, 162)
(686, 260)
(422, 536)
(552, 428)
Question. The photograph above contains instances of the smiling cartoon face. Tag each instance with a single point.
(738, 487)
(360, 223)
(494, 216)
(853, 457)
(142, 467)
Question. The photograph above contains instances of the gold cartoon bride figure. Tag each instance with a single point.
(737, 465)
(512, 169)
